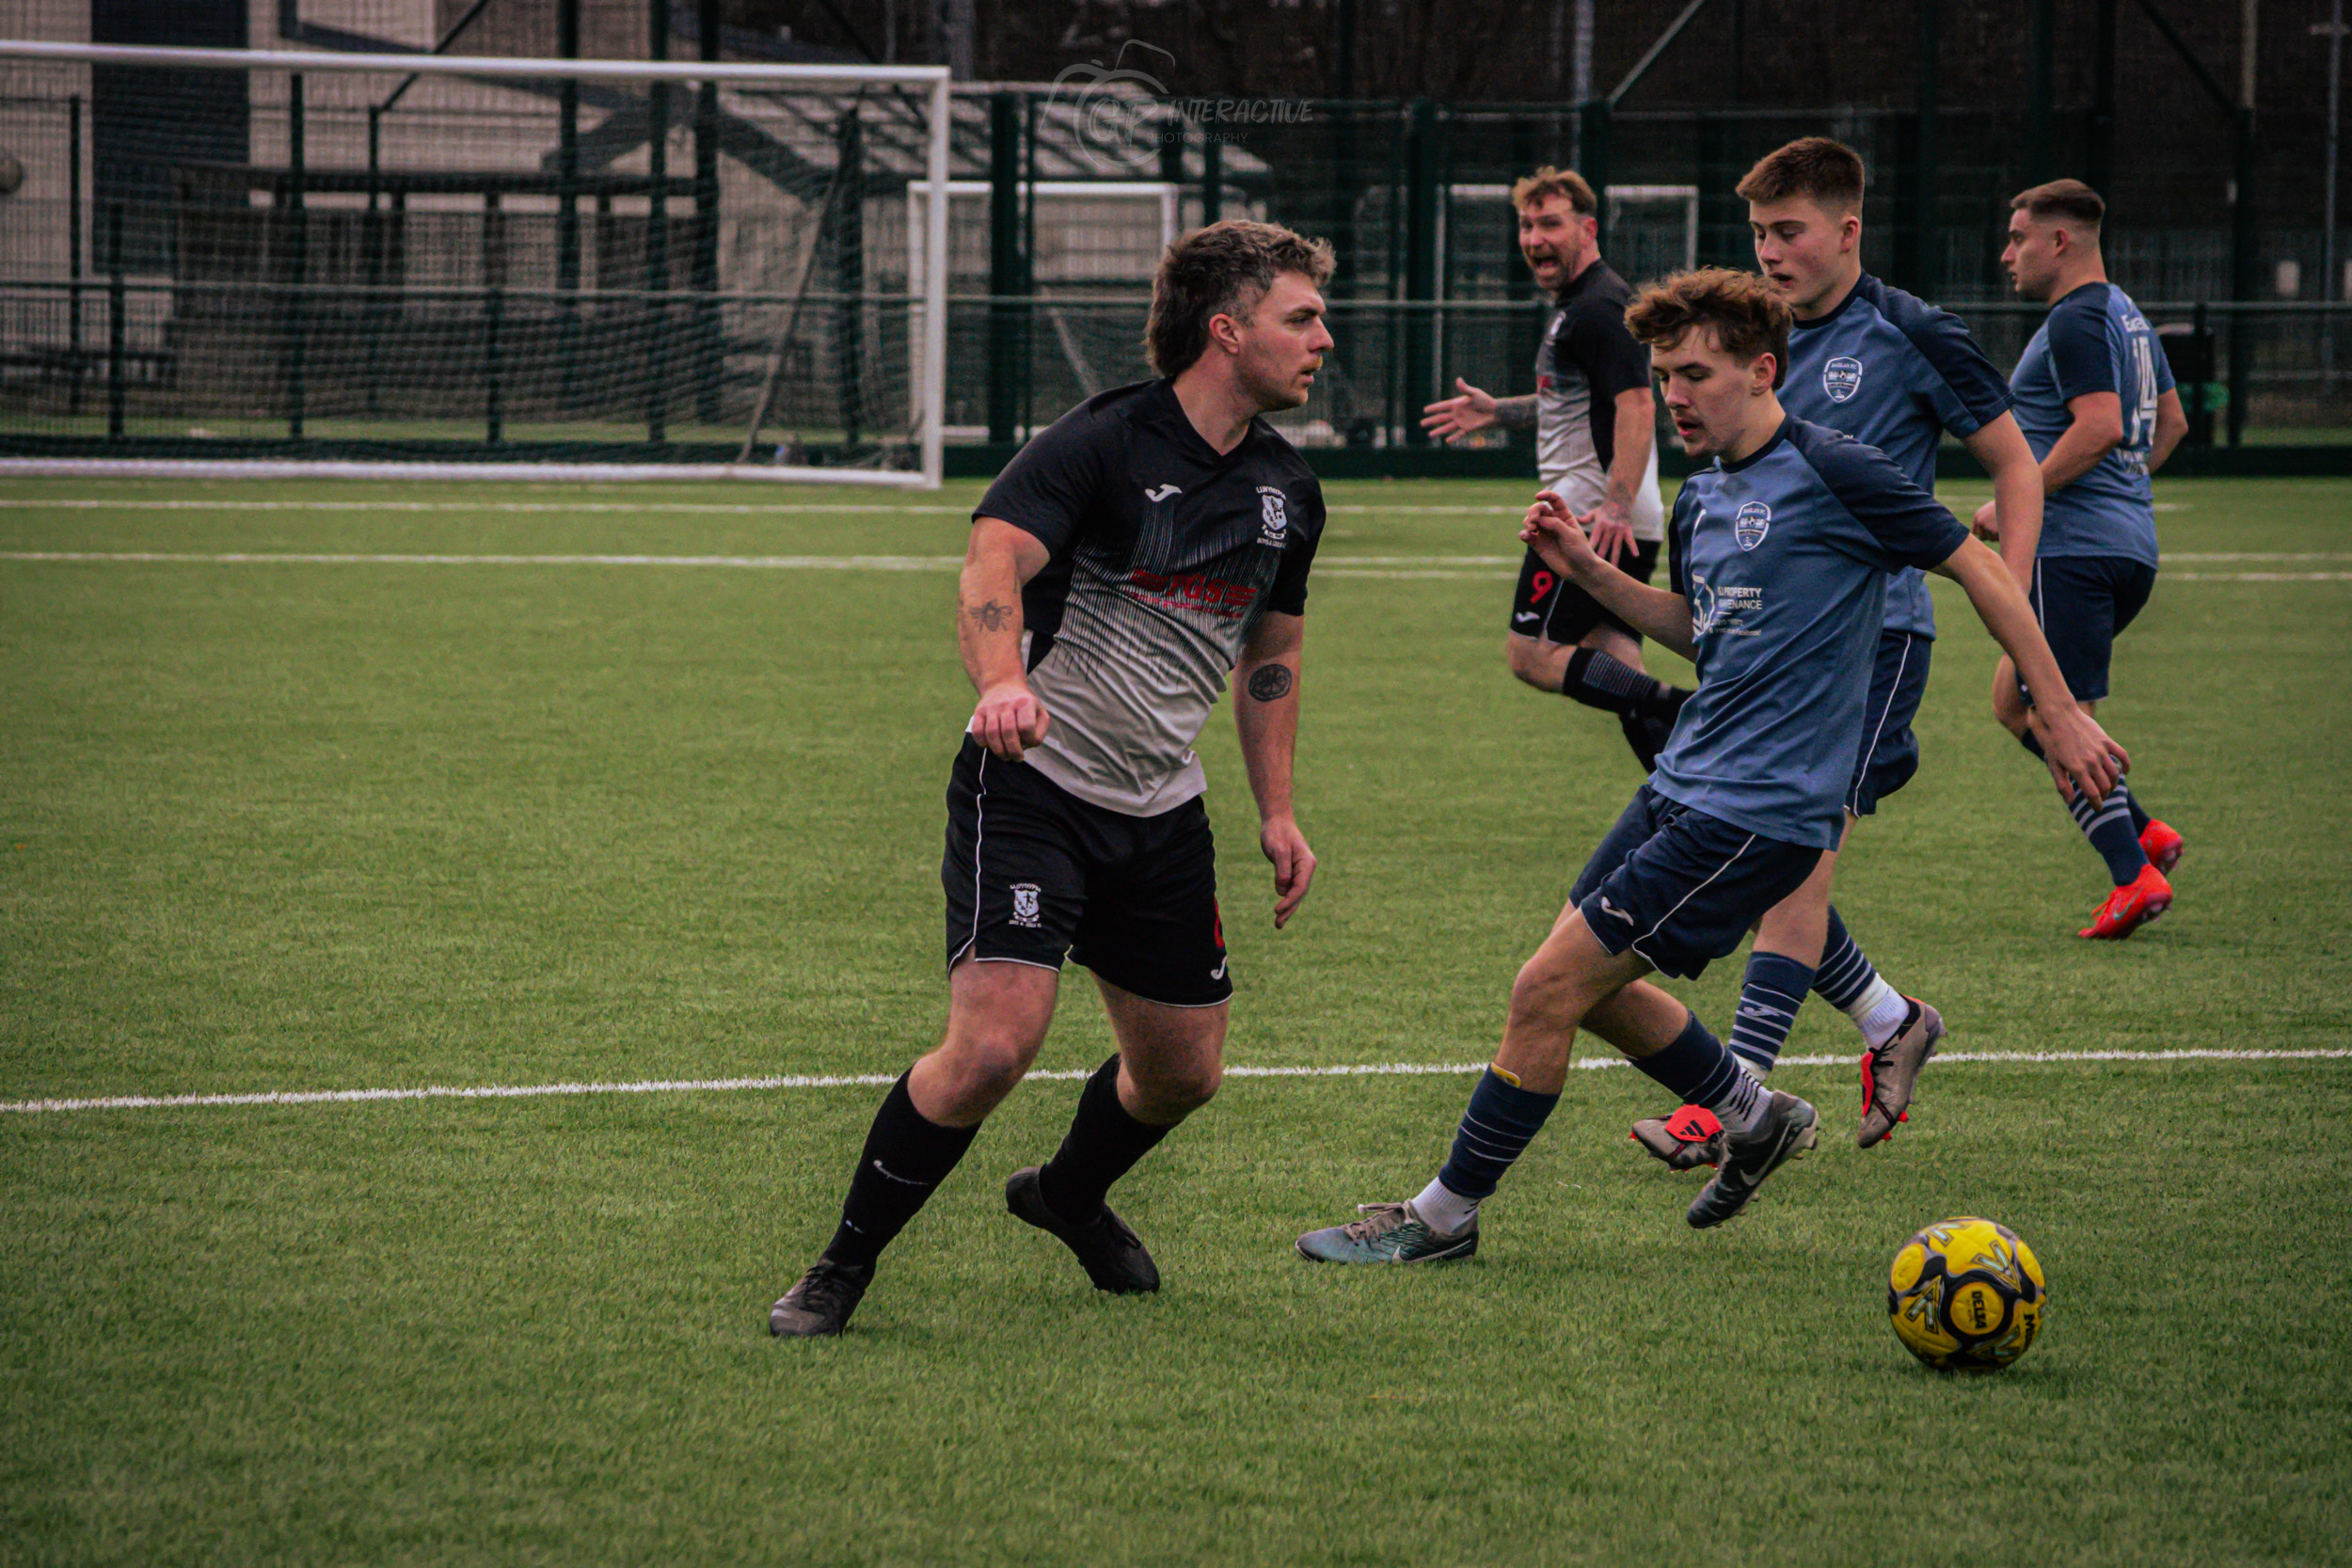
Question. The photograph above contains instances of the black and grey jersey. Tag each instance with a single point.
(1163, 558)
(1588, 356)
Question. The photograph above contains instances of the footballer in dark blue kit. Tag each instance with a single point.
(2096, 399)
(1780, 555)
(1898, 374)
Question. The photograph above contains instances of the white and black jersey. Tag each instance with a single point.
(1163, 558)
(1588, 356)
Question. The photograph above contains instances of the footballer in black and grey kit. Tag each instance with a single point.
(1151, 544)
(1595, 448)
(1165, 556)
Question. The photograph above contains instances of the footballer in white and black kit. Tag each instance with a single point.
(1595, 445)
(1147, 549)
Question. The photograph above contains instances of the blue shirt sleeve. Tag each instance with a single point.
(1050, 484)
(2080, 359)
(1677, 534)
(1960, 383)
(1908, 526)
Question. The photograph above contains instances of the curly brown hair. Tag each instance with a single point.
(1748, 317)
(1224, 269)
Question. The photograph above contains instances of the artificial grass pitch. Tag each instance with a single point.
(362, 825)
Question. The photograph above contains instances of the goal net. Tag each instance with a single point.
(368, 263)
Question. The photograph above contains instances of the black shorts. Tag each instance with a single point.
(1034, 875)
(1550, 610)
(1890, 752)
(2083, 602)
(1682, 888)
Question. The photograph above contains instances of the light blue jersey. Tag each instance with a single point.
(1784, 556)
(1896, 373)
(2095, 341)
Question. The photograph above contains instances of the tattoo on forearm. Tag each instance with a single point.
(1270, 683)
(1516, 413)
(990, 616)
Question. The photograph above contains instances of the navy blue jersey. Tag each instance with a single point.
(1896, 373)
(1784, 556)
(2095, 341)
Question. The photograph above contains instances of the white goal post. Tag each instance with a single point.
(522, 268)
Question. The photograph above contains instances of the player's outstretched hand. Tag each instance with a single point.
(1293, 864)
(1455, 418)
(1008, 720)
(2081, 755)
(1557, 534)
(1987, 524)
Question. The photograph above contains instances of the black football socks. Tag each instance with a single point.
(1104, 1144)
(1599, 681)
(904, 1159)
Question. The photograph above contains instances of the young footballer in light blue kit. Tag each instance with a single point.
(2096, 399)
(1898, 374)
(1781, 554)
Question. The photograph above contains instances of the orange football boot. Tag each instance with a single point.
(2162, 845)
(2130, 906)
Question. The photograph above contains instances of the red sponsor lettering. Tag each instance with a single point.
(1194, 590)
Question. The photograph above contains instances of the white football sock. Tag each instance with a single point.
(1443, 1210)
(1879, 1012)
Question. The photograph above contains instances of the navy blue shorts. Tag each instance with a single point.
(1034, 875)
(1552, 610)
(2083, 602)
(1680, 888)
(1890, 752)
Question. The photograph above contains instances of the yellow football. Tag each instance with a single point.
(1966, 1296)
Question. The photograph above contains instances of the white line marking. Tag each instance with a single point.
(722, 509)
(276, 558)
(878, 1079)
(1333, 566)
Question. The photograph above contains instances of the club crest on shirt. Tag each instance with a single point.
(1750, 523)
(1273, 522)
(1025, 905)
(1841, 378)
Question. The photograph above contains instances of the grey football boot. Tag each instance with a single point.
(821, 1303)
(1891, 1071)
(1789, 1127)
(1388, 1233)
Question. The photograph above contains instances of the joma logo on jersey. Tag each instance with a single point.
(1273, 522)
(1750, 523)
(1841, 378)
(1025, 905)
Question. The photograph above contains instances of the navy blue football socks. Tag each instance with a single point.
(1697, 1070)
(1770, 996)
(2108, 826)
(2112, 825)
(1495, 1132)
(1844, 972)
